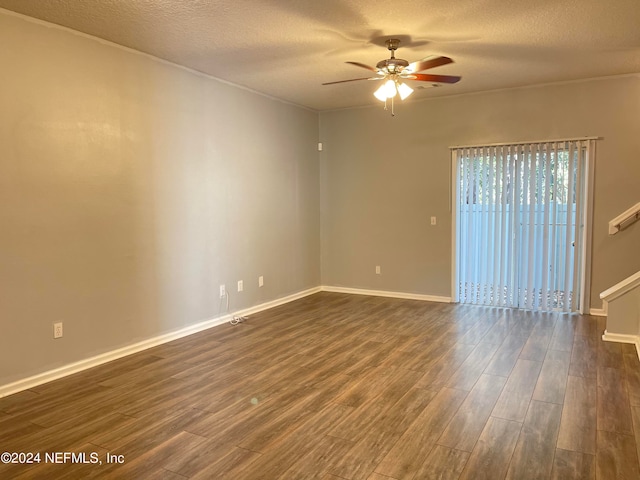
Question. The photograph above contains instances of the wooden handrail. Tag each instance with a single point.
(621, 288)
(624, 219)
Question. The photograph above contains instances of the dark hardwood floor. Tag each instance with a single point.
(338, 386)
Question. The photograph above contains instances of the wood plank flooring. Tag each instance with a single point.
(337, 386)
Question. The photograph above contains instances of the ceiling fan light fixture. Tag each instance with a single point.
(380, 93)
(404, 90)
(387, 90)
(390, 88)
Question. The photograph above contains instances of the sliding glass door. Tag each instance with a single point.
(520, 224)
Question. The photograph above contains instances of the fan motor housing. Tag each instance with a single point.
(392, 64)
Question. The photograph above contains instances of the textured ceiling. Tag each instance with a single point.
(287, 48)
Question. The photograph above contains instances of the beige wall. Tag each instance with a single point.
(623, 317)
(130, 189)
(383, 178)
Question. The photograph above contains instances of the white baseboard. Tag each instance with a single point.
(87, 363)
(623, 338)
(600, 312)
(382, 293)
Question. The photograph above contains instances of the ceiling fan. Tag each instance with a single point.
(394, 70)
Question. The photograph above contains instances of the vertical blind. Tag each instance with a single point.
(519, 223)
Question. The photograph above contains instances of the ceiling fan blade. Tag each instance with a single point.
(427, 77)
(426, 63)
(362, 65)
(351, 80)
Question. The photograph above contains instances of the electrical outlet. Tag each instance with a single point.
(57, 330)
(433, 220)
(223, 291)
(377, 269)
(240, 285)
(261, 281)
